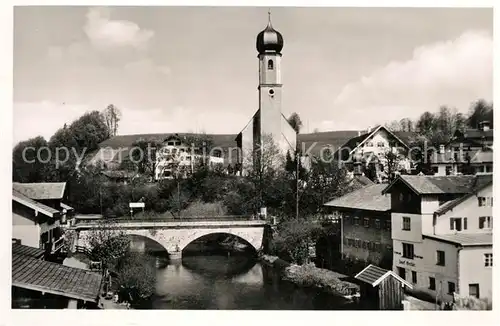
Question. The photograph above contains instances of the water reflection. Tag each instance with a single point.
(236, 282)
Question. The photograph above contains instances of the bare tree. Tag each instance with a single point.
(112, 116)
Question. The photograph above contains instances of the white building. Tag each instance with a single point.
(268, 126)
(371, 148)
(176, 156)
(38, 214)
(442, 234)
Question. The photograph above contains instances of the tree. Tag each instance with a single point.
(89, 130)
(426, 124)
(268, 162)
(112, 116)
(107, 243)
(295, 121)
(480, 111)
(30, 160)
(144, 155)
(136, 276)
(392, 160)
(293, 238)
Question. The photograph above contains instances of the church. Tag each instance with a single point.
(268, 130)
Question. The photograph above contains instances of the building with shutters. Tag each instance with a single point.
(442, 232)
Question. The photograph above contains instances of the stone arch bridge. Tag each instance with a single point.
(175, 235)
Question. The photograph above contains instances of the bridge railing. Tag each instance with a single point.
(177, 219)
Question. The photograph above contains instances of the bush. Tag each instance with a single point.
(293, 239)
(136, 276)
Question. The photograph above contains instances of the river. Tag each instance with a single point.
(234, 282)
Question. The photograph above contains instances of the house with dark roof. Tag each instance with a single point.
(447, 161)
(167, 150)
(371, 147)
(442, 234)
(366, 225)
(41, 284)
(39, 214)
(472, 138)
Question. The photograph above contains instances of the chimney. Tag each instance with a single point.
(359, 133)
(369, 129)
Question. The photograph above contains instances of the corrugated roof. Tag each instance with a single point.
(464, 239)
(22, 199)
(39, 275)
(42, 190)
(367, 198)
(373, 275)
(20, 249)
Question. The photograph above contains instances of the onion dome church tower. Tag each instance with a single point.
(268, 127)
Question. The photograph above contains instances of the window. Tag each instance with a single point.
(347, 218)
(387, 225)
(456, 223)
(451, 287)
(402, 273)
(376, 246)
(365, 244)
(485, 222)
(270, 65)
(474, 290)
(414, 277)
(401, 197)
(449, 168)
(485, 201)
(440, 257)
(435, 169)
(366, 222)
(432, 283)
(356, 220)
(369, 144)
(406, 224)
(377, 223)
(380, 144)
(488, 260)
(408, 250)
(489, 168)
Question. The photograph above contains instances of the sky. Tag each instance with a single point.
(195, 69)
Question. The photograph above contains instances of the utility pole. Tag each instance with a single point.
(297, 185)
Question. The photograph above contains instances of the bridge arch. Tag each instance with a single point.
(174, 239)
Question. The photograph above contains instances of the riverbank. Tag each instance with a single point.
(311, 276)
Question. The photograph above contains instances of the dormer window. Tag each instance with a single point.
(270, 65)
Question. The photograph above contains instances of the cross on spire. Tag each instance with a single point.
(269, 15)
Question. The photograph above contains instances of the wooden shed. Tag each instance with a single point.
(381, 289)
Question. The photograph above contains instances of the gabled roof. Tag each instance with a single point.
(427, 185)
(42, 190)
(480, 182)
(360, 181)
(43, 276)
(19, 249)
(355, 142)
(28, 202)
(373, 275)
(367, 198)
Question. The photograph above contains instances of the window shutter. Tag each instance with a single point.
(481, 222)
(451, 224)
(465, 223)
